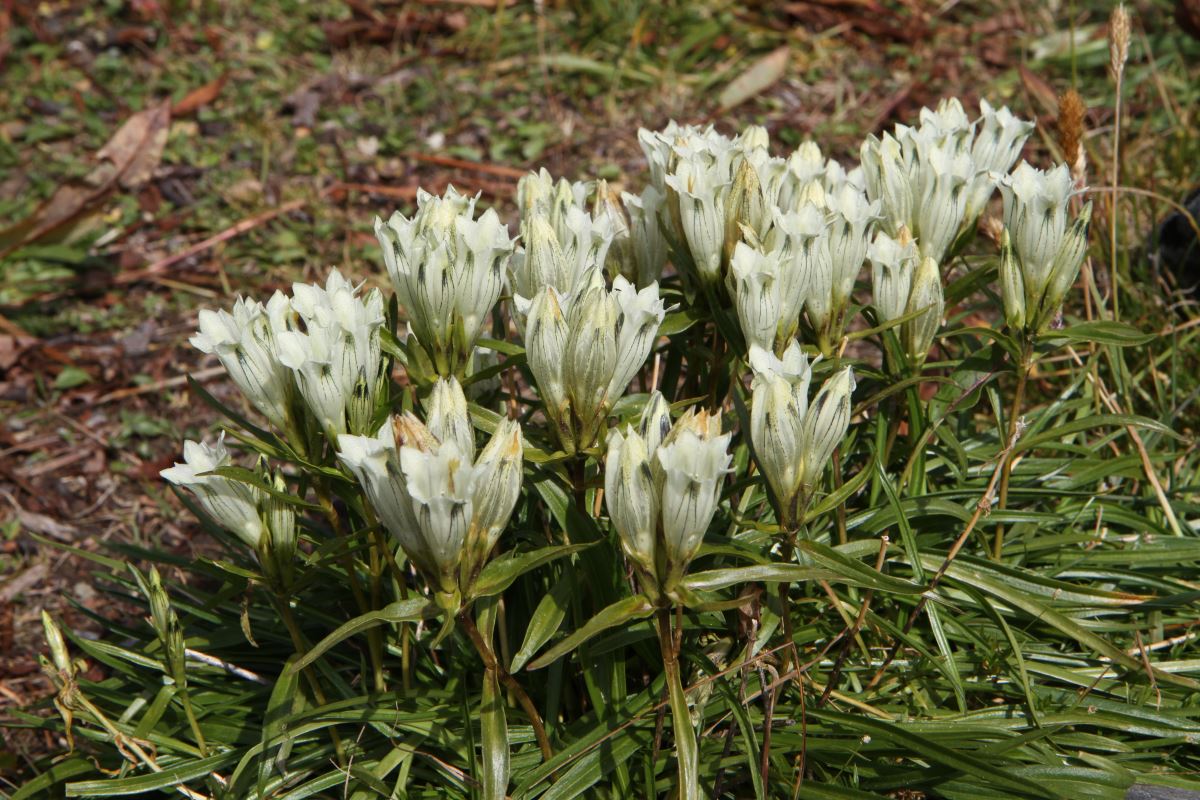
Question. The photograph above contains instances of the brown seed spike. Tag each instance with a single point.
(1070, 124)
(1118, 39)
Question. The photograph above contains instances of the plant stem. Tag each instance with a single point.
(686, 754)
(375, 635)
(1014, 416)
(192, 721)
(301, 647)
(490, 662)
(837, 484)
(1112, 205)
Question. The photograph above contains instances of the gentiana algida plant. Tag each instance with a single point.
(660, 499)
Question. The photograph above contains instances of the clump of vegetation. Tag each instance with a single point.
(657, 499)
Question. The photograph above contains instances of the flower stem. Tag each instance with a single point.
(1010, 440)
(375, 635)
(490, 662)
(301, 647)
(686, 751)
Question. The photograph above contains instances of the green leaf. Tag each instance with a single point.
(1111, 332)
(507, 348)
(280, 707)
(170, 776)
(619, 613)
(39, 787)
(546, 620)
(411, 610)
(714, 579)
(70, 377)
(842, 493)
(680, 321)
(1058, 432)
(500, 572)
(494, 738)
(855, 572)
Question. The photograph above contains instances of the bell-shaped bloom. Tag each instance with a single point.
(448, 270)
(945, 178)
(892, 264)
(561, 240)
(767, 299)
(689, 467)
(851, 218)
(244, 341)
(662, 491)
(234, 505)
(700, 190)
(793, 439)
(647, 243)
(905, 283)
(1043, 250)
(936, 178)
(445, 507)
(337, 359)
(584, 350)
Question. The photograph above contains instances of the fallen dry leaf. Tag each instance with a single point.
(757, 78)
(200, 96)
(127, 160)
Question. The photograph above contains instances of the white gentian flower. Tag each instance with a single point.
(445, 507)
(793, 440)
(662, 488)
(892, 264)
(1042, 255)
(233, 505)
(584, 350)
(851, 216)
(244, 342)
(448, 270)
(337, 360)
(689, 468)
(649, 246)
(700, 190)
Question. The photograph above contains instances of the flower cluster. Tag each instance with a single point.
(443, 503)
(447, 268)
(793, 440)
(1040, 254)
(585, 347)
(766, 251)
(935, 179)
(662, 484)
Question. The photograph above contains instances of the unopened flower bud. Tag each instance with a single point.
(447, 417)
(630, 497)
(655, 422)
(917, 333)
(497, 488)
(825, 425)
